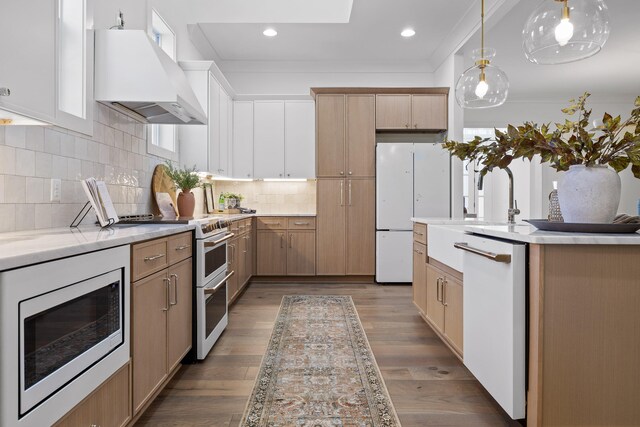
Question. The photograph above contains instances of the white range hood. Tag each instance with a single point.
(134, 73)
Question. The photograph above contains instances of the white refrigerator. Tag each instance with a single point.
(412, 180)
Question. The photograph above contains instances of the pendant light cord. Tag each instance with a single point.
(482, 29)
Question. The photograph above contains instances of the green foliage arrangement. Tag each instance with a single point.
(615, 143)
(228, 195)
(185, 178)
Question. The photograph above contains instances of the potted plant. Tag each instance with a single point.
(185, 179)
(232, 200)
(592, 157)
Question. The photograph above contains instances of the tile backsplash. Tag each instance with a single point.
(272, 197)
(30, 156)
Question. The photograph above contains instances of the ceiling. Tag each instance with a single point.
(612, 74)
(372, 33)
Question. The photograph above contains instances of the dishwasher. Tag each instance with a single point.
(494, 302)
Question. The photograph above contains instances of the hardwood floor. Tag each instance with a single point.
(429, 386)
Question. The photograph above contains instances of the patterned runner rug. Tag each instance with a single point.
(319, 370)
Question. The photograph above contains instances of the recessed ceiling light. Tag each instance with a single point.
(408, 32)
(270, 32)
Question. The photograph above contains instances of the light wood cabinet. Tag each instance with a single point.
(346, 227)
(452, 301)
(435, 309)
(420, 277)
(240, 257)
(411, 112)
(233, 265)
(301, 253)
(331, 252)
(346, 135)
(161, 314)
(108, 406)
(330, 141)
(272, 253)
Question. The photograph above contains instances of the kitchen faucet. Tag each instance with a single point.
(513, 204)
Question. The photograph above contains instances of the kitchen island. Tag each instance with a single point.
(582, 331)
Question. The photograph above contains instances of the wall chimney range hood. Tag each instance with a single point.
(134, 73)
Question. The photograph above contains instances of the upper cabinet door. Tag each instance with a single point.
(330, 122)
(74, 66)
(300, 139)
(268, 139)
(224, 133)
(242, 139)
(27, 61)
(361, 136)
(393, 112)
(214, 125)
(429, 112)
(194, 139)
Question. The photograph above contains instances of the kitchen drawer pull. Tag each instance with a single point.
(418, 233)
(167, 283)
(183, 247)
(291, 240)
(506, 258)
(225, 238)
(153, 257)
(213, 290)
(175, 284)
(444, 292)
(241, 226)
(418, 252)
(438, 283)
(300, 223)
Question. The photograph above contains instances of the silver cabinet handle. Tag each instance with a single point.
(341, 193)
(153, 257)
(439, 289)
(291, 240)
(350, 173)
(506, 258)
(349, 192)
(341, 172)
(225, 238)
(182, 248)
(444, 292)
(418, 233)
(300, 223)
(175, 284)
(5, 91)
(213, 290)
(282, 241)
(167, 282)
(418, 252)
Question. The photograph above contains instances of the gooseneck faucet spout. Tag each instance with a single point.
(513, 204)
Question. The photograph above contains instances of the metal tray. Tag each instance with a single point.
(572, 227)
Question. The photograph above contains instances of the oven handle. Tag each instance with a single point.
(216, 242)
(216, 287)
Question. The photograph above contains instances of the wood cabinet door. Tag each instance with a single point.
(361, 135)
(435, 309)
(301, 253)
(150, 304)
(429, 112)
(248, 257)
(242, 261)
(420, 277)
(268, 139)
(300, 139)
(452, 297)
(393, 112)
(272, 253)
(331, 228)
(180, 311)
(330, 141)
(360, 198)
(242, 156)
(232, 265)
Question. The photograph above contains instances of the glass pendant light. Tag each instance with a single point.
(483, 85)
(561, 31)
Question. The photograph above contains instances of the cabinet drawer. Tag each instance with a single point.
(420, 233)
(179, 247)
(148, 257)
(108, 406)
(234, 227)
(243, 226)
(272, 223)
(301, 223)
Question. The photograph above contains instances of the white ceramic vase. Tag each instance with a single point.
(589, 194)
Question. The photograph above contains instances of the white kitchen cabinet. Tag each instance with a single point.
(223, 148)
(46, 71)
(194, 139)
(242, 155)
(215, 93)
(299, 139)
(268, 139)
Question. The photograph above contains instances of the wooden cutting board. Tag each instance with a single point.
(161, 183)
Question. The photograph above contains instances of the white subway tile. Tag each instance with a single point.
(2, 128)
(67, 192)
(35, 190)
(42, 215)
(87, 169)
(25, 162)
(15, 189)
(119, 139)
(25, 217)
(8, 215)
(43, 165)
(59, 167)
(103, 155)
(68, 145)
(35, 138)
(7, 160)
(81, 149)
(1, 188)
(15, 136)
(53, 141)
(93, 150)
(109, 136)
(74, 169)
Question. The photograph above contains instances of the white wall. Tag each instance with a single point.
(540, 177)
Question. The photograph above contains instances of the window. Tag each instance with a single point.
(162, 138)
(473, 198)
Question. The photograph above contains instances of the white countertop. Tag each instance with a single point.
(21, 248)
(529, 234)
(451, 221)
(284, 214)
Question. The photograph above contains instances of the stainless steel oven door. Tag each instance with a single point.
(212, 313)
(212, 257)
(64, 332)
